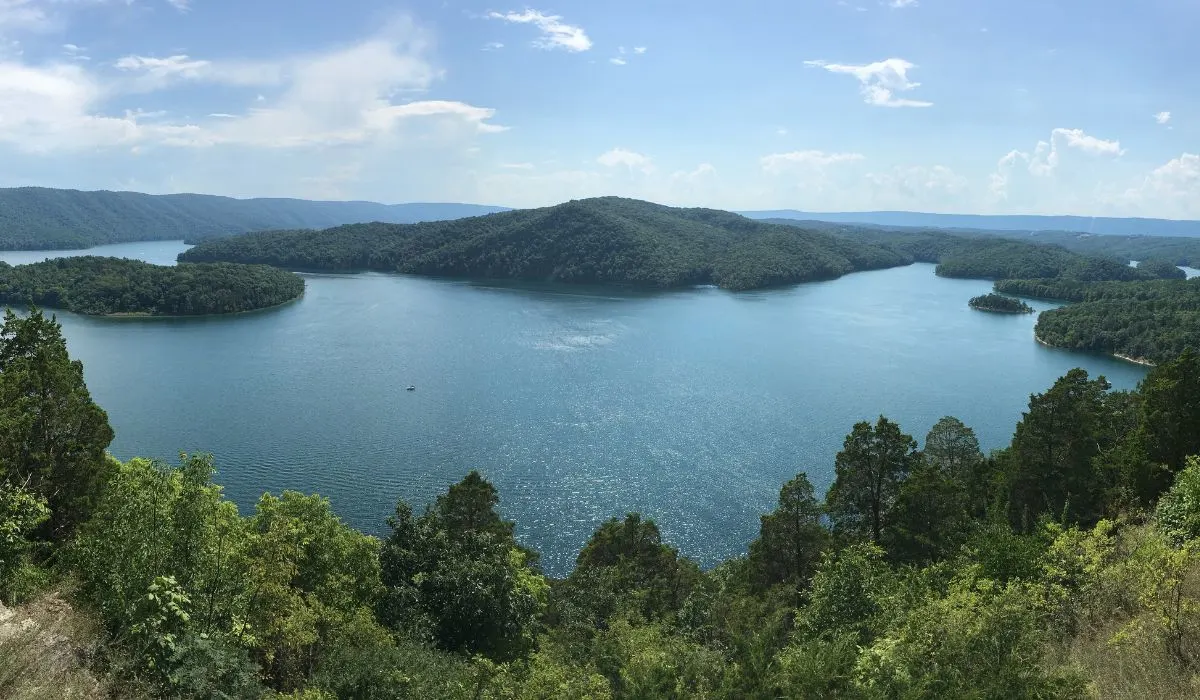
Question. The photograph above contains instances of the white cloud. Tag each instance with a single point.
(517, 166)
(345, 96)
(556, 34)
(901, 4)
(880, 81)
(493, 46)
(617, 61)
(1162, 117)
(1172, 189)
(639, 49)
(181, 5)
(1046, 157)
(619, 157)
(777, 163)
(1075, 138)
(164, 68)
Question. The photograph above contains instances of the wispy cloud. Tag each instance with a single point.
(493, 46)
(901, 4)
(181, 5)
(781, 162)
(639, 49)
(880, 81)
(619, 157)
(617, 61)
(556, 34)
(517, 166)
(1162, 117)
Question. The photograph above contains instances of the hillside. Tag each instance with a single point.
(34, 218)
(603, 240)
(1025, 223)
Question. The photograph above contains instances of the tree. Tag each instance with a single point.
(21, 511)
(1051, 459)
(1170, 415)
(791, 538)
(457, 575)
(52, 435)
(1178, 511)
(930, 519)
(309, 576)
(872, 465)
(952, 449)
(630, 559)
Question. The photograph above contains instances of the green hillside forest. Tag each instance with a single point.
(612, 240)
(36, 218)
(1065, 565)
(114, 286)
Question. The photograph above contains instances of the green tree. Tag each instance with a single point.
(791, 538)
(1052, 452)
(457, 575)
(309, 575)
(1178, 511)
(52, 435)
(953, 450)
(872, 465)
(930, 519)
(1170, 415)
(21, 511)
(642, 574)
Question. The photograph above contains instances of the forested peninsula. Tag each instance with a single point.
(115, 286)
(1059, 567)
(612, 240)
(604, 240)
(1150, 321)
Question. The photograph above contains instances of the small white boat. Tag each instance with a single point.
(412, 387)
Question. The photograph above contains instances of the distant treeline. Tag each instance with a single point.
(38, 218)
(103, 286)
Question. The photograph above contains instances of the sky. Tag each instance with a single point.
(964, 106)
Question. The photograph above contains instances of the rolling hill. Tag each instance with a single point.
(603, 240)
(613, 240)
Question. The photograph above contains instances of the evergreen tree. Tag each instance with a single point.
(872, 465)
(52, 435)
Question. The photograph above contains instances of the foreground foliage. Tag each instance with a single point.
(1066, 565)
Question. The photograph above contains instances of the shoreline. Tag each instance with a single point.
(143, 316)
(1120, 356)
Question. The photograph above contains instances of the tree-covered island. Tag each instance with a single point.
(998, 303)
(119, 287)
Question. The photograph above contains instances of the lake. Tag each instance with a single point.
(692, 407)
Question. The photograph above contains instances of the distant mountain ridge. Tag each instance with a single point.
(1000, 222)
(33, 218)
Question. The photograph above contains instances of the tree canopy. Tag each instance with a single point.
(106, 286)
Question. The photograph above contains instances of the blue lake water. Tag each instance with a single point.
(692, 407)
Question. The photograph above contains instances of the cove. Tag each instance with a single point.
(691, 407)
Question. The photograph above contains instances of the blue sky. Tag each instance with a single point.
(1027, 106)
